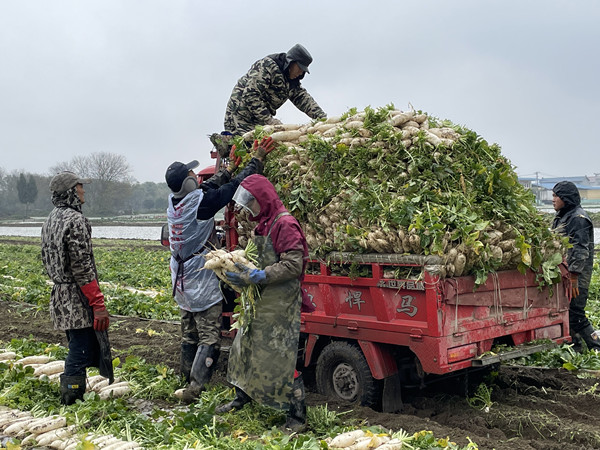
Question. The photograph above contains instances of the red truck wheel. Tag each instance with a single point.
(342, 372)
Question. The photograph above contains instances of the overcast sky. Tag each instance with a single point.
(150, 79)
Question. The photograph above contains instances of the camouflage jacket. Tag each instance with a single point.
(262, 91)
(69, 261)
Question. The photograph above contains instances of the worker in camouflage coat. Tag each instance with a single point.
(262, 358)
(269, 83)
(76, 302)
(572, 220)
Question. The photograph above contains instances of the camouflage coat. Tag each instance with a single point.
(69, 261)
(262, 91)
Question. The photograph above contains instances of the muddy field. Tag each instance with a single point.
(532, 408)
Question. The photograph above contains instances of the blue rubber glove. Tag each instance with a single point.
(246, 276)
(257, 276)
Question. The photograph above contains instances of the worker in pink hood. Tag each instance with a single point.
(262, 358)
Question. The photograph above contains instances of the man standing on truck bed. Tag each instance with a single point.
(269, 83)
(192, 234)
(572, 221)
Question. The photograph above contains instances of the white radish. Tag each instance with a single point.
(11, 416)
(49, 425)
(123, 445)
(104, 383)
(291, 135)
(36, 359)
(93, 381)
(20, 424)
(58, 433)
(179, 393)
(117, 385)
(104, 440)
(62, 444)
(6, 356)
(114, 392)
(394, 444)
(50, 368)
(54, 376)
(346, 439)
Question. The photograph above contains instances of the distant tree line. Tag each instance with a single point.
(113, 191)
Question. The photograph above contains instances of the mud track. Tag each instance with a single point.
(532, 408)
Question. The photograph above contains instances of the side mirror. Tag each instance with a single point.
(164, 235)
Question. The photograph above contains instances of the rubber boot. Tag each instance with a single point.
(296, 417)
(71, 389)
(241, 398)
(590, 337)
(201, 373)
(188, 353)
(577, 343)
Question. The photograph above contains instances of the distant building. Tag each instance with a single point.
(589, 187)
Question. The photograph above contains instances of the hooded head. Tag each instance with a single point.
(568, 193)
(179, 179)
(257, 195)
(64, 189)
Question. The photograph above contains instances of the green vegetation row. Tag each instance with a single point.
(135, 281)
(135, 278)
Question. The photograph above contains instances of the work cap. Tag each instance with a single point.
(64, 181)
(177, 172)
(300, 55)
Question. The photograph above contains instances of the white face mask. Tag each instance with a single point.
(189, 184)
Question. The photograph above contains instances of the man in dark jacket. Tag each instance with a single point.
(76, 302)
(269, 83)
(572, 221)
(190, 214)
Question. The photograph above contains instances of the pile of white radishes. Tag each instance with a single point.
(221, 261)
(53, 432)
(363, 440)
(43, 366)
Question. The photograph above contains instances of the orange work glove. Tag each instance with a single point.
(96, 300)
(234, 161)
(265, 147)
(574, 285)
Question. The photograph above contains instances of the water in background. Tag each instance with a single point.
(151, 233)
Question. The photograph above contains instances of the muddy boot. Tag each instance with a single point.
(201, 373)
(188, 353)
(577, 343)
(590, 337)
(241, 398)
(296, 417)
(71, 389)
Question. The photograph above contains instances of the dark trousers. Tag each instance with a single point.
(577, 317)
(84, 351)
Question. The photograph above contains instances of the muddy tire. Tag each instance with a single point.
(343, 373)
